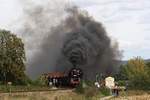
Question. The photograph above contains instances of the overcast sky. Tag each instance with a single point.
(127, 21)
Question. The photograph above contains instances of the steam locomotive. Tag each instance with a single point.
(72, 78)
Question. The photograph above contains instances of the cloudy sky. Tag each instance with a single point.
(127, 21)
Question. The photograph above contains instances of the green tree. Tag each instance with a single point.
(121, 75)
(148, 67)
(148, 64)
(137, 73)
(12, 58)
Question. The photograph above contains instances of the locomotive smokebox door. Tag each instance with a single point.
(75, 75)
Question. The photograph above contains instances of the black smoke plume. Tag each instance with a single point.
(75, 40)
(87, 45)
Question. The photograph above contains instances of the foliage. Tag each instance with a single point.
(148, 64)
(90, 91)
(80, 89)
(121, 75)
(105, 91)
(41, 81)
(137, 73)
(87, 89)
(12, 57)
(121, 83)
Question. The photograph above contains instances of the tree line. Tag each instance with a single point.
(135, 74)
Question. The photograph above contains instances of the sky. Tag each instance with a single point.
(127, 21)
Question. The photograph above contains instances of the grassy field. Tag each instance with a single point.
(46, 93)
(49, 95)
(69, 95)
(133, 95)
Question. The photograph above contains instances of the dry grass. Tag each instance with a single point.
(55, 95)
(134, 95)
(70, 95)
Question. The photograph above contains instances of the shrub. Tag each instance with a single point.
(121, 83)
(41, 81)
(105, 91)
(80, 88)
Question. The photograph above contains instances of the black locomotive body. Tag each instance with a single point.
(72, 78)
(75, 76)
